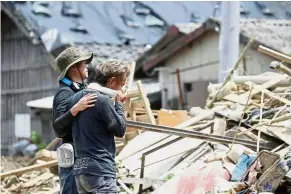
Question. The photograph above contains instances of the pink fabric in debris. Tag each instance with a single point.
(201, 178)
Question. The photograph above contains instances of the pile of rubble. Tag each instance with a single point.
(238, 144)
(24, 175)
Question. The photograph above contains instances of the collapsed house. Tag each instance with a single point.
(190, 51)
(240, 142)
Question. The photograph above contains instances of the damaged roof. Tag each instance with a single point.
(127, 53)
(274, 34)
(56, 24)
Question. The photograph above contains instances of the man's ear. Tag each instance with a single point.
(111, 81)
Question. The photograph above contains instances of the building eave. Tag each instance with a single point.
(211, 24)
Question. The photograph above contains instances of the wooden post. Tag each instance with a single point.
(245, 66)
(179, 88)
(146, 102)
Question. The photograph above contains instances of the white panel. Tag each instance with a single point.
(22, 125)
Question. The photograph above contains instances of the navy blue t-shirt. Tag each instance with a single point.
(93, 135)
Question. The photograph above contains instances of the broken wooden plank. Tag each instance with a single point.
(53, 143)
(269, 93)
(171, 118)
(280, 67)
(268, 123)
(281, 118)
(55, 190)
(46, 155)
(38, 180)
(124, 187)
(28, 169)
(242, 98)
(143, 118)
(232, 71)
(275, 54)
(146, 180)
(146, 102)
(136, 103)
(249, 134)
(132, 94)
(219, 126)
(261, 79)
(204, 114)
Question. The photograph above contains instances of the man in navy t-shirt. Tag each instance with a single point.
(95, 128)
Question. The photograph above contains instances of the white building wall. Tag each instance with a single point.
(203, 51)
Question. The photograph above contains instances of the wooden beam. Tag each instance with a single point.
(143, 181)
(53, 143)
(125, 187)
(146, 102)
(131, 76)
(132, 94)
(28, 169)
(180, 88)
(171, 118)
(242, 99)
(261, 79)
(275, 54)
(204, 114)
(280, 67)
(219, 126)
(136, 103)
(270, 94)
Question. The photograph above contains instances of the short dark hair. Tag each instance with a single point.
(110, 68)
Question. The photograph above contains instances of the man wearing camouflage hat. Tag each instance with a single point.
(72, 64)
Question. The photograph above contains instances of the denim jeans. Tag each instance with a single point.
(91, 184)
(67, 181)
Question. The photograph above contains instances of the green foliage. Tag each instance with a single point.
(170, 176)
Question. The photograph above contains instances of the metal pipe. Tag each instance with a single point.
(195, 134)
(151, 151)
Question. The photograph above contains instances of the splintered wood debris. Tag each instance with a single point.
(252, 108)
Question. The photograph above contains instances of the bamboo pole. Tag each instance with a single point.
(232, 71)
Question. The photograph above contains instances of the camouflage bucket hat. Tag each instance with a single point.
(69, 57)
